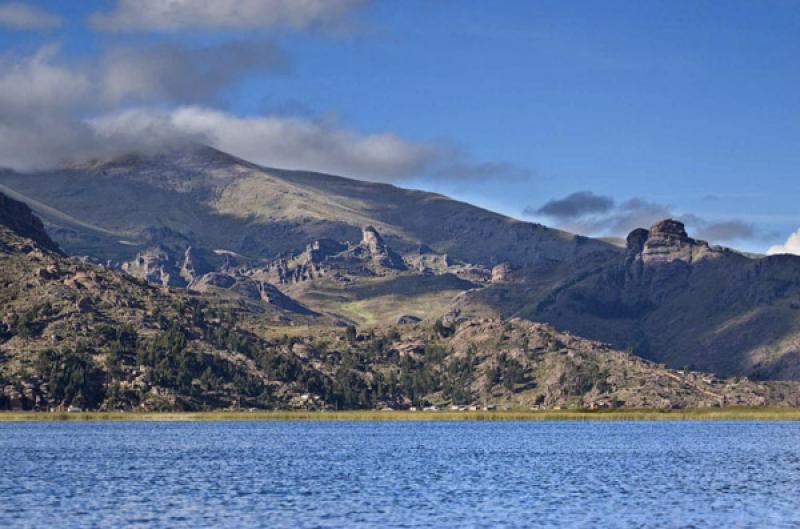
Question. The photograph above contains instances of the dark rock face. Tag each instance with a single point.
(195, 264)
(635, 241)
(83, 305)
(372, 240)
(18, 217)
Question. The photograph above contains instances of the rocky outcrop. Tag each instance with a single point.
(19, 218)
(247, 288)
(153, 265)
(666, 242)
(318, 251)
(501, 273)
(474, 273)
(310, 264)
(372, 240)
(195, 263)
(635, 241)
(380, 252)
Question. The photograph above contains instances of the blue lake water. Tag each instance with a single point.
(438, 475)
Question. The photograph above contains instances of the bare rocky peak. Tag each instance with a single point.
(666, 241)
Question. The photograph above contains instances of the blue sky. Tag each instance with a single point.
(686, 108)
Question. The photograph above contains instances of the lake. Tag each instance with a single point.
(400, 474)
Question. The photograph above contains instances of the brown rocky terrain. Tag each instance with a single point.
(672, 299)
(372, 254)
(76, 333)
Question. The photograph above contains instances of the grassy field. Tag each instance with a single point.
(715, 414)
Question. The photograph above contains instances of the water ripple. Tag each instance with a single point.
(413, 475)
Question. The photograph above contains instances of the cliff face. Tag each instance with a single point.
(19, 218)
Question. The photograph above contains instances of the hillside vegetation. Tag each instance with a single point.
(75, 333)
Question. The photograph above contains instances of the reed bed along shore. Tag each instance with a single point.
(725, 414)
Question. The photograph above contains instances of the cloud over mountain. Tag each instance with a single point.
(726, 231)
(53, 111)
(590, 214)
(574, 206)
(293, 143)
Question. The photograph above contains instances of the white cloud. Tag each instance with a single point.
(38, 102)
(791, 246)
(53, 113)
(291, 143)
(169, 15)
(169, 72)
(28, 84)
(16, 15)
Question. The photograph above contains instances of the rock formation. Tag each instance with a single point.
(308, 265)
(381, 254)
(195, 263)
(501, 273)
(666, 242)
(152, 265)
(247, 288)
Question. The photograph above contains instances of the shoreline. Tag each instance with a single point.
(697, 414)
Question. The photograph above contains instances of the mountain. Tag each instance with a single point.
(77, 333)
(672, 299)
(200, 197)
(72, 332)
(173, 216)
(338, 251)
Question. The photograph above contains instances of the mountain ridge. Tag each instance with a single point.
(218, 188)
(74, 333)
(668, 297)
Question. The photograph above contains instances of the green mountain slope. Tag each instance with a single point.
(207, 199)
